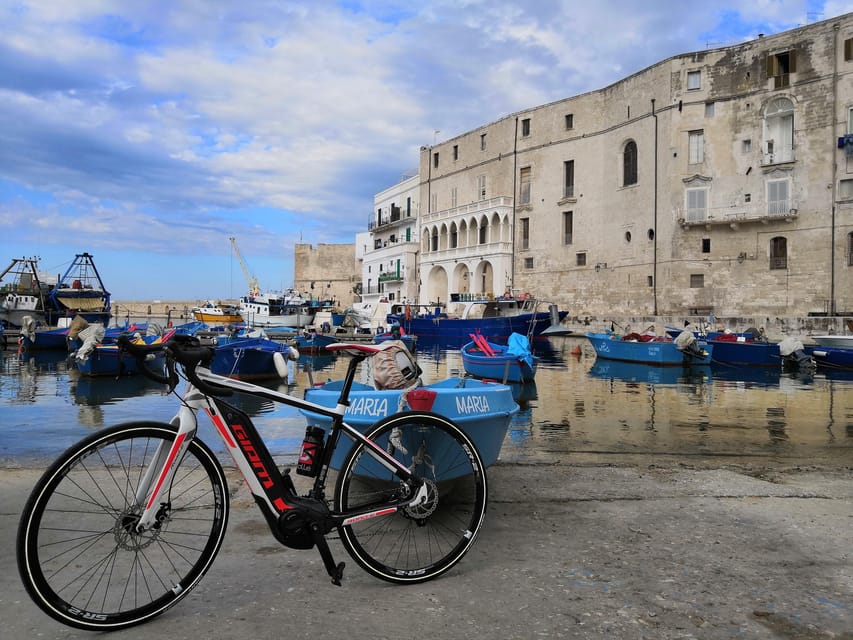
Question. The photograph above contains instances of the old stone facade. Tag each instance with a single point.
(717, 182)
(327, 272)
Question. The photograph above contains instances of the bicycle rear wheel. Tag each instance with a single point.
(420, 542)
(78, 553)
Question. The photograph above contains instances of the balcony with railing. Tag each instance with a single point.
(392, 216)
(777, 154)
(763, 213)
(481, 206)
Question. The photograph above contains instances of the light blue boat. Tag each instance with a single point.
(482, 409)
(660, 350)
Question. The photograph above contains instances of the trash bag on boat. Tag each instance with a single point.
(519, 346)
(394, 367)
(90, 336)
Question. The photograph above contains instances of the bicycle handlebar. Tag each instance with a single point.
(182, 349)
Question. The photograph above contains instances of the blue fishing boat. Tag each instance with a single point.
(831, 357)
(482, 409)
(409, 340)
(512, 362)
(253, 359)
(312, 342)
(468, 313)
(110, 360)
(658, 350)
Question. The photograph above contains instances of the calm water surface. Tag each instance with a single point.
(577, 406)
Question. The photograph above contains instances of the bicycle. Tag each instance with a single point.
(125, 523)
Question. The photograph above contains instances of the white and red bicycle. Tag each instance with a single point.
(126, 522)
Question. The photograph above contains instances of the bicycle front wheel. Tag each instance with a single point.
(419, 542)
(79, 554)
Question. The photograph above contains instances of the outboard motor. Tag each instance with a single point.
(687, 344)
(794, 355)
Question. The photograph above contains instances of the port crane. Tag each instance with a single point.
(251, 280)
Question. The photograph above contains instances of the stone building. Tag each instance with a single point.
(719, 181)
(327, 272)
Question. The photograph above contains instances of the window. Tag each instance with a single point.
(569, 179)
(779, 253)
(629, 164)
(455, 152)
(482, 237)
(481, 187)
(454, 237)
(568, 224)
(453, 198)
(706, 245)
(434, 202)
(709, 109)
(780, 66)
(694, 80)
(696, 146)
(746, 146)
(697, 280)
(696, 201)
(570, 121)
(850, 120)
(779, 131)
(848, 49)
(528, 263)
(580, 259)
(845, 189)
(850, 249)
(777, 197)
(482, 142)
(524, 186)
(525, 127)
(524, 233)
(435, 160)
(434, 240)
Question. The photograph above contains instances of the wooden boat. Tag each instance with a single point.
(512, 362)
(658, 350)
(482, 409)
(495, 318)
(217, 313)
(250, 358)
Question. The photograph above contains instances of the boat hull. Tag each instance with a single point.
(657, 352)
(831, 357)
(250, 359)
(455, 332)
(501, 366)
(108, 360)
(747, 354)
(483, 410)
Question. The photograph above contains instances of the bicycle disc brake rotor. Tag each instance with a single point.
(126, 535)
(427, 507)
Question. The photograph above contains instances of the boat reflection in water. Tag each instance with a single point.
(637, 372)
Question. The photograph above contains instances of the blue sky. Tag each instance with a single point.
(148, 135)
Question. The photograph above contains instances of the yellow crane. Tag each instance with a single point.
(251, 280)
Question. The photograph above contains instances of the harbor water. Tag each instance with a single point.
(577, 407)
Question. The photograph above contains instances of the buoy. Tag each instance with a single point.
(280, 364)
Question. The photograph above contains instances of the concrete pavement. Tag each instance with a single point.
(580, 549)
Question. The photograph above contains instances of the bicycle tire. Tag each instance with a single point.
(416, 543)
(77, 556)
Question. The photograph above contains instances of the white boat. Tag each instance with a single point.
(274, 309)
(845, 341)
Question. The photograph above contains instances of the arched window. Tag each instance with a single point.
(779, 253)
(778, 131)
(629, 164)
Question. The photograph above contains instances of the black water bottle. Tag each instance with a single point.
(312, 452)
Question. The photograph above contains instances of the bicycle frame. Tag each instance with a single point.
(273, 491)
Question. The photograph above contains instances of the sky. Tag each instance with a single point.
(149, 133)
